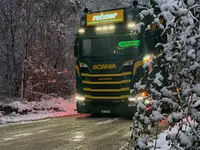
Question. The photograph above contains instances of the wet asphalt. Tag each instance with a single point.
(74, 133)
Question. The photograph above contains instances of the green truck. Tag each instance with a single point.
(111, 48)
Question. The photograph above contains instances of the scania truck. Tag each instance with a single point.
(111, 47)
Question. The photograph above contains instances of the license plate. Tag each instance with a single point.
(105, 111)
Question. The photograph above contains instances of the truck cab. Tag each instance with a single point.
(111, 47)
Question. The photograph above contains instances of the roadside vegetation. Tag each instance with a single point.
(173, 81)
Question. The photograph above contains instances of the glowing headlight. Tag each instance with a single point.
(131, 25)
(81, 30)
(80, 98)
(132, 99)
(136, 99)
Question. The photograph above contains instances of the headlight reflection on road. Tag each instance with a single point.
(77, 136)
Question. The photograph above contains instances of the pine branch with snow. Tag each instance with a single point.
(174, 81)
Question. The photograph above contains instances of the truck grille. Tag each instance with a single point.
(106, 86)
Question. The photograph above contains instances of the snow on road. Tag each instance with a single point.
(66, 133)
(17, 136)
(77, 136)
(107, 121)
(23, 135)
(42, 131)
(8, 139)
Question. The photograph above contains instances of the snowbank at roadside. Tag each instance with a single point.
(18, 111)
(14, 118)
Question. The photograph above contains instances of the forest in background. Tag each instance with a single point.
(36, 45)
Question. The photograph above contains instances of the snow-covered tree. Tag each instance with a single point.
(34, 30)
(174, 81)
(44, 28)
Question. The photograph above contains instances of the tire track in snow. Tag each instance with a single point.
(14, 137)
(107, 121)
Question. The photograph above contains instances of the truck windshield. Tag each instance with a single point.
(122, 45)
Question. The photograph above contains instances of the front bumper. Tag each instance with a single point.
(106, 108)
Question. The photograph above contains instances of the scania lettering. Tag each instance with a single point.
(110, 55)
(104, 66)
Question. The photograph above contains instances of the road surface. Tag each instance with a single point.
(75, 133)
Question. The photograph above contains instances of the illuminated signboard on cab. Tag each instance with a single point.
(105, 17)
(132, 43)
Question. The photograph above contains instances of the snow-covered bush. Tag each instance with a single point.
(174, 81)
(25, 107)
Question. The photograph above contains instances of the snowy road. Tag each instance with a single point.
(76, 133)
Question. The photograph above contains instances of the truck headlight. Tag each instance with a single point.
(136, 99)
(132, 99)
(80, 98)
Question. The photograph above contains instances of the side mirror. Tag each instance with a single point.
(76, 46)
